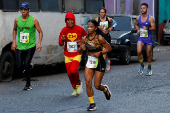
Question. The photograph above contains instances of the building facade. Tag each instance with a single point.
(132, 7)
(128, 6)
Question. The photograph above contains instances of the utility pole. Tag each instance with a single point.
(156, 4)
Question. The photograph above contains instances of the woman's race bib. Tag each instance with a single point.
(24, 37)
(72, 46)
(92, 62)
(143, 33)
(106, 25)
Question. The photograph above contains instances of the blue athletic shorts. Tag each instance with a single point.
(146, 40)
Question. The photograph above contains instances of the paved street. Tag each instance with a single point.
(131, 93)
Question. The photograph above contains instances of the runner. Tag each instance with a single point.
(95, 63)
(144, 25)
(68, 37)
(25, 28)
(103, 24)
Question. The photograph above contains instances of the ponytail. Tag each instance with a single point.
(98, 31)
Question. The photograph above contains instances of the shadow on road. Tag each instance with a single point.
(43, 70)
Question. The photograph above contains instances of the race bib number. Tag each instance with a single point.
(106, 25)
(24, 37)
(143, 33)
(72, 46)
(92, 62)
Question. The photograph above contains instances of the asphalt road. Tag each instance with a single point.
(131, 93)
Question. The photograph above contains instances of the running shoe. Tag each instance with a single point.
(79, 88)
(27, 88)
(107, 93)
(92, 107)
(141, 70)
(74, 93)
(108, 68)
(149, 72)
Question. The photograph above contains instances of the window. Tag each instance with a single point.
(78, 5)
(136, 7)
(0, 4)
(51, 5)
(122, 7)
(33, 4)
(93, 6)
(123, 23)
(133, 22)
(10, 5)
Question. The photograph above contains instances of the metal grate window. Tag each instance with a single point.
(93, 6)
(122, 7)
(136, 7)
(51, 5)
(33, 5)
(78, 5)
(10, 5)
(1, 4)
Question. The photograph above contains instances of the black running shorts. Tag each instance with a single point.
(101, 64)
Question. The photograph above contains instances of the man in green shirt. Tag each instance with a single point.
(25, 28)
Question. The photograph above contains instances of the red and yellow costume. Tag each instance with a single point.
(72, 56)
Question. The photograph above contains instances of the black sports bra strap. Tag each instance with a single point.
(107, 19)
(99, 21)
(92, 38)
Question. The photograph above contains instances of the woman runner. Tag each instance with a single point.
(105, 24)
(95, 65)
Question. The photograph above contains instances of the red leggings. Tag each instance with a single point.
(72, 72)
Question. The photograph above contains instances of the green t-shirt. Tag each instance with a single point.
(26, 33)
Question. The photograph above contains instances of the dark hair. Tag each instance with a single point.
(24, 8)
(103, 9)
(94, 22)
(145, 4)
(165, 21)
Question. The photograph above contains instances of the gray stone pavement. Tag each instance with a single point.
(131, 93)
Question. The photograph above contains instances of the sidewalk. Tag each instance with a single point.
(161, 48)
